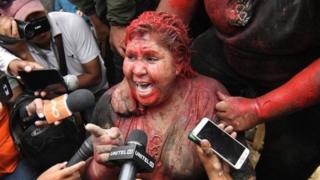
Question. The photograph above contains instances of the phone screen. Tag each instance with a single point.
(221, 142)
(41, 79)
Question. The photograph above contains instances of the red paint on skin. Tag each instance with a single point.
(299, 92)
(220, 12)
(183, 8)
(148, 62)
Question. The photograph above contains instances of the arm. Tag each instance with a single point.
(120, 14)
(11, 64)
(301, 91)
(57, 6)
(100, 28)
(91, 75)
(182, 8)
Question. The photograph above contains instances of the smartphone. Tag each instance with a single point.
(226, 147)
(41, 79)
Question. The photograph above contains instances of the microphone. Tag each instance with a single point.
(63, 106)
(84, 152)
(132, 156)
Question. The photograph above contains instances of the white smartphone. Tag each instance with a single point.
(226, 147)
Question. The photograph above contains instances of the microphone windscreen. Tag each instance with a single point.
(138, 136)
(80, 99)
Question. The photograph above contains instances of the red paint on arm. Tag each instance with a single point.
(302, 91)
(182, 8)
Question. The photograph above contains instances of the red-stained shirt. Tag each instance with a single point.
(9, 156)
(278, 40)
(167, 127)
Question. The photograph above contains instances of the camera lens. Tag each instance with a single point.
(29, 31)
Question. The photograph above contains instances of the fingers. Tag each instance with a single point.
(221, 106)
(40, 93)
(222, 96)
(206, 147)
(95, 130)
(73, 169)
(121, 50)
(15, 31)
(57, 166)
(228, 129)
(36, 106)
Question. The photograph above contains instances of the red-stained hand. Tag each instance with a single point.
(241, 113)
(122, 100)
(103, 140)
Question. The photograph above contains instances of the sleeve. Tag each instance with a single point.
(86, 6)
(5, 58)
(120, 12)
(82, 39)
(57, 6)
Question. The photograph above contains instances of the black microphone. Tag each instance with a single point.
(84, 152)
(76, 101)
(132, 156)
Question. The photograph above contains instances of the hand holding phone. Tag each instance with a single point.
(43, 80)
(226, 147)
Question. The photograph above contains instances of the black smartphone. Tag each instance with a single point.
(41, 79)
(226, 147)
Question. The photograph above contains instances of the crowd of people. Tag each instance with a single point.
(257, 64)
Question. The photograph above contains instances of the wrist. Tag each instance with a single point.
(261, 110)
(71, 81)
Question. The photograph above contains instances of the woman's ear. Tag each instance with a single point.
(179, 65)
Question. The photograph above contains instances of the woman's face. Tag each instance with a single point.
(150, 70)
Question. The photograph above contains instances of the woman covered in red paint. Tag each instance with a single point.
(267, 54)
(172, 99)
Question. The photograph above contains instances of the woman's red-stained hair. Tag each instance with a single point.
(172, 33)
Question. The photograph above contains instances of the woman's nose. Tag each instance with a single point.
(139, 68)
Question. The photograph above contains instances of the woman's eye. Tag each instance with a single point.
(130, 57)
(151, 58)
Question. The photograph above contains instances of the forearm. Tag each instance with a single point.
(87, 80)
(5, 59)
(182, 8)
(301, 91)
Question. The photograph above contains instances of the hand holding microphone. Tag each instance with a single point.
(58, 108)
(103, 140)
(108, 147)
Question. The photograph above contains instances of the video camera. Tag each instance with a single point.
(27, 30)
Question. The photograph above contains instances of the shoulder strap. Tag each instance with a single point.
(61, 56)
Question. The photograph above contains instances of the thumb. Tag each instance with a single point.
(222, 96)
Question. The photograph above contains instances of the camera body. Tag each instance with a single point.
(28, 30)
(5, 89)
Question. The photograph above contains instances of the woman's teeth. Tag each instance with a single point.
(144, 88)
